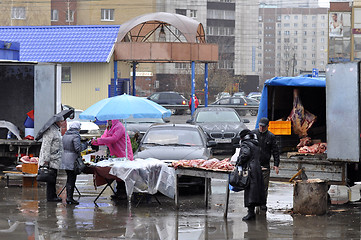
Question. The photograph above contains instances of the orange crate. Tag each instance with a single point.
(280, 127)
(31, 168)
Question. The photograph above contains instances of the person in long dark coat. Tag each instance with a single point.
(254, 195)
(72, 148)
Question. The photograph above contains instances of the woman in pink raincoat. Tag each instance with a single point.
(114, 139)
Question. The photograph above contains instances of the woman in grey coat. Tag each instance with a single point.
(72, 148)
(50, 155)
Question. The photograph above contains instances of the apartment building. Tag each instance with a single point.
(292, 40)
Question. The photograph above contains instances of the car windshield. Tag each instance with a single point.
(76, 117)
(217, 116)
(183, 137)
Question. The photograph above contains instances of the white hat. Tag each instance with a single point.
(75, 125)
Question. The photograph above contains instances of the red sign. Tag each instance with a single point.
(356, 31)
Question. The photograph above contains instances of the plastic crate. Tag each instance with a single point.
(31, 168)
(287, 143)
(280, 127)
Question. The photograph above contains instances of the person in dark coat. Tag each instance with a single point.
(268, 147)
(254, 194)
(72, 148)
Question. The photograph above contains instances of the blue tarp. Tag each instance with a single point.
(300, 81)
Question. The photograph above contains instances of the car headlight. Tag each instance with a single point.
(94, 132)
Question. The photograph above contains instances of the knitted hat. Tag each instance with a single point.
(75, 125)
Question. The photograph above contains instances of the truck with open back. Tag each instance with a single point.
(335, 104)
(26, 86)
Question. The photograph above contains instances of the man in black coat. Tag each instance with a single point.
(268, 146)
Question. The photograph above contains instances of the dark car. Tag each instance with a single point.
(170, 98)
(222, 125)
(170, 142)
(239, 101)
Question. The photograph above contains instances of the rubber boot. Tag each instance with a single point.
(69, 195)
(250, 216)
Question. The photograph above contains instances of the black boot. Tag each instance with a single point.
(51, 193)
(250, 216)
(69, 195)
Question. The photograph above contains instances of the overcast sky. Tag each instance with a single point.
(324, 3)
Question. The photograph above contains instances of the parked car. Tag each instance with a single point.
(256, 97)
(253, 93)
(239, 94)
(239, 101)
(222, 95)
(221, 125)
(88, 129)
(170, 98)
(173, 142)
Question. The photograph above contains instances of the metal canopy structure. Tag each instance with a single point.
(137, 42)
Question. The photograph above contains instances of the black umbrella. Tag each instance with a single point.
(57, 117)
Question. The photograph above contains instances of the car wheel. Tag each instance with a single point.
(179, 112)
(242, 113)
(253, 112)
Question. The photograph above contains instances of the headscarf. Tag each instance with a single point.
(75, 125)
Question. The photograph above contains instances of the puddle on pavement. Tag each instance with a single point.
(26, 215)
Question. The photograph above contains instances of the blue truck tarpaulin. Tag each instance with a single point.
(300, 81)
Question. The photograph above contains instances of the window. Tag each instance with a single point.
(286, 25)
(287, 32)
(295, 40)
(18, 13)
(54, 15)
(286, 17)
(181, 11)
(70, 16)
(305, 33)
(295, 33)
(193, 13)
(66, 74)
(107, 15)
(295, 17)
(295, 24)
(181, 65)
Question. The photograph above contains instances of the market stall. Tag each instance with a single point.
(207, 169)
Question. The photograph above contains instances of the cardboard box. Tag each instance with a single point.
(31, 168)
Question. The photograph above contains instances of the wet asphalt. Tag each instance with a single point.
(25, 214)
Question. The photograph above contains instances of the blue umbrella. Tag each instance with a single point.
(123, 107)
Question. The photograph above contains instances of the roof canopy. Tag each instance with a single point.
(140, 28)
(63, 43)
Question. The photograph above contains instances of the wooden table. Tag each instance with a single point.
(208, 175)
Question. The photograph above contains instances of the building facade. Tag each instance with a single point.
(292, 40)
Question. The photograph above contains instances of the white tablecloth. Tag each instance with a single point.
(143, 175)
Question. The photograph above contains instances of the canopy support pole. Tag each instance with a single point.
(115, 77)
(206, 84)
(193, 86)
(134, 73)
